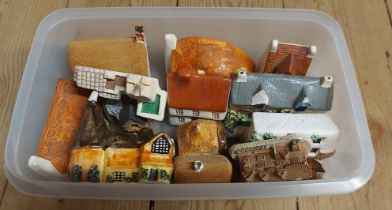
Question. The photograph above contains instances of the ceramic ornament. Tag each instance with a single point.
(124, 54)
(278, 92)
(51, 159)
(287, 58)
(284, 158)
(156, 160)
(202, 168)
(198, 76)
(201, 136)
(111, 84)
(321, 132)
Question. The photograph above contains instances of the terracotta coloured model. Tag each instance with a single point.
(277, 159)
(321, 131)
(128, 55)
(201, 136)
(199, 71)
(59, 132)
(281, 92)
(287, 58)
(156, 159)
(201, 168)
(205, 56)
(198, 96)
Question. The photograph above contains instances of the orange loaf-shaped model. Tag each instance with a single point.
(62, 125)
(210, 56)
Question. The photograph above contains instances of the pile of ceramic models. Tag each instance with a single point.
(234, 122)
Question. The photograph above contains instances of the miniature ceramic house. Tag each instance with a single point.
(59, 132)
(198, 76)
(205, 56)
(282, 158)
(201, 136)
(287, 58)
(86, 164)
(197, 97)
(202, 168)
(156, 159)
(104, 147)
(121, 165)
(281, 92)
(321, 131)
(127, 55)
(111, 84)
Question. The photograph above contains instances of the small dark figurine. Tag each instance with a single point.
(139, 33)
(98, 129)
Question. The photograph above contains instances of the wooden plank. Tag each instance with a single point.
(231, 3)
(122, 3)
(18, 21)
(388, 4)
(282, 203)
(18, 201)
(367, 28)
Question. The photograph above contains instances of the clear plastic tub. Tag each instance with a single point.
(251, 30)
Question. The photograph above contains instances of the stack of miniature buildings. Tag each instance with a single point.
(273, 154)
(112, 143)
(98, 126)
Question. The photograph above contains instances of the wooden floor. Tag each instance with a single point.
(367, 27)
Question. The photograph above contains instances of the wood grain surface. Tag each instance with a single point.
(368, 30)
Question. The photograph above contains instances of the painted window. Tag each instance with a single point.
(161, 146)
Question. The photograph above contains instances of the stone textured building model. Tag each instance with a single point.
(198, 74)
(287, 58)
(284, 158)
(127, 55)
(281, 92)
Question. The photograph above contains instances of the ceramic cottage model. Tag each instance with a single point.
(286, 58)
(281, 92)
(198, 76)
(157, 159)
(201, 136)
(199, 144)
(282, 158)
(106, 152)
(118, 66)
(320, 130)
(127, 55)
(59, 132)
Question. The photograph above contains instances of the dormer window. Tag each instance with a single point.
(161, 146)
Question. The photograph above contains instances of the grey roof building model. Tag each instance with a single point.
(278, 91)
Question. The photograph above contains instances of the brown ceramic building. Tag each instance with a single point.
(286, 58)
